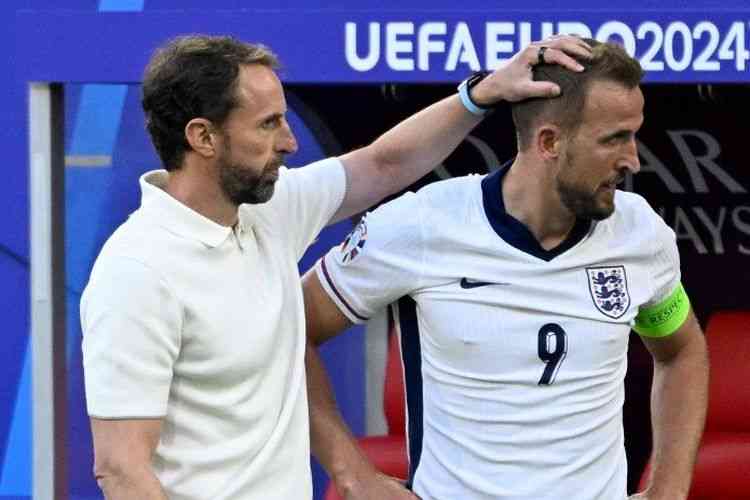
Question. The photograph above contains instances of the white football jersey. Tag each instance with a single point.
(514, 356)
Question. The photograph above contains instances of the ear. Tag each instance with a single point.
(202, 137)
(549, 141)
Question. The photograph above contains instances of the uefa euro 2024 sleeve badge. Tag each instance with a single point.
(609, 290)
(352, 245)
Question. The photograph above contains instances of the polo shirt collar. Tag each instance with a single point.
(174, 215)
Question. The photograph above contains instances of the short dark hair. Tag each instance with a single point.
(609, 62)
(189, 77)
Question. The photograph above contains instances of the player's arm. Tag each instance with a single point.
(331, 440)
(123, 450)
(679, 395)
(418, 144)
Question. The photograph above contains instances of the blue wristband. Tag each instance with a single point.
(463, 93)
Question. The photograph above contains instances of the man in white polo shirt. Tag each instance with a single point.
(193, 320)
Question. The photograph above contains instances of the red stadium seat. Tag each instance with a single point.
(721, 470)
(388, 453)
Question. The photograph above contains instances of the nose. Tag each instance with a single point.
(632, 162)
(286, 143)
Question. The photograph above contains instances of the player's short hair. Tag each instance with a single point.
(189, 77)
(609, 62)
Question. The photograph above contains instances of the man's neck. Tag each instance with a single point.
(196, 188)
(530, 195)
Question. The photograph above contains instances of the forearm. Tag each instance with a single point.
(421, 142)
(404, 154)
(678, 410)
(139, 483)
(331, 441)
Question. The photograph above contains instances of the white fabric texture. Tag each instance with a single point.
(522, 352)
(203, 325)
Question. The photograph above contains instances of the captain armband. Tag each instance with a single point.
(664, 318)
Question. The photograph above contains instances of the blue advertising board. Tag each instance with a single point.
(413, 43)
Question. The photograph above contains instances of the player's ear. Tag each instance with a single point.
(548, 141)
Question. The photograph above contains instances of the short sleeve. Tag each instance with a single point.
(307, 198)
(668, 305)
(665, 266)
(379, 262)
(131, 324)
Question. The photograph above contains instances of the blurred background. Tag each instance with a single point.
(348, 80)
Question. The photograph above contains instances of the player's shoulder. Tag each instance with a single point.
(431, 210)
(451, 199)
(633, 211)
(455, 187)
(437, 203)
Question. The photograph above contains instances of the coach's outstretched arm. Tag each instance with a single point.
(332, 443)
(418, 144)
(679, 398)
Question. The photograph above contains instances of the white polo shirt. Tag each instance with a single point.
(203, 325)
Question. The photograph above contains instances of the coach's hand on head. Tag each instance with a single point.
(513, 81)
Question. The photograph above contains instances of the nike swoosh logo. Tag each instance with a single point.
(466, 283)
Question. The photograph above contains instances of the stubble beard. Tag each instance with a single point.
(580, 199)
(241, 184)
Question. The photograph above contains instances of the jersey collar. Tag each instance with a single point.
(515, 232)
(175, 216)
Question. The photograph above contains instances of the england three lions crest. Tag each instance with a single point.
(609, 290)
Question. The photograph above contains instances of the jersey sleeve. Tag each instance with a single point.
(131, 325)
(665, 266)
(307, 199)
(380, 261)
(669, 305)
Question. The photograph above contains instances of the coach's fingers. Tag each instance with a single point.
(562, 51)
(542, 89)
(571, 44)
(550, 55)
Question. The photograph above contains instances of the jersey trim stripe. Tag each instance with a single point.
(411, 353)
(336, 291)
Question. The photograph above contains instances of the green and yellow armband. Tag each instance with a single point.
(665, 317)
